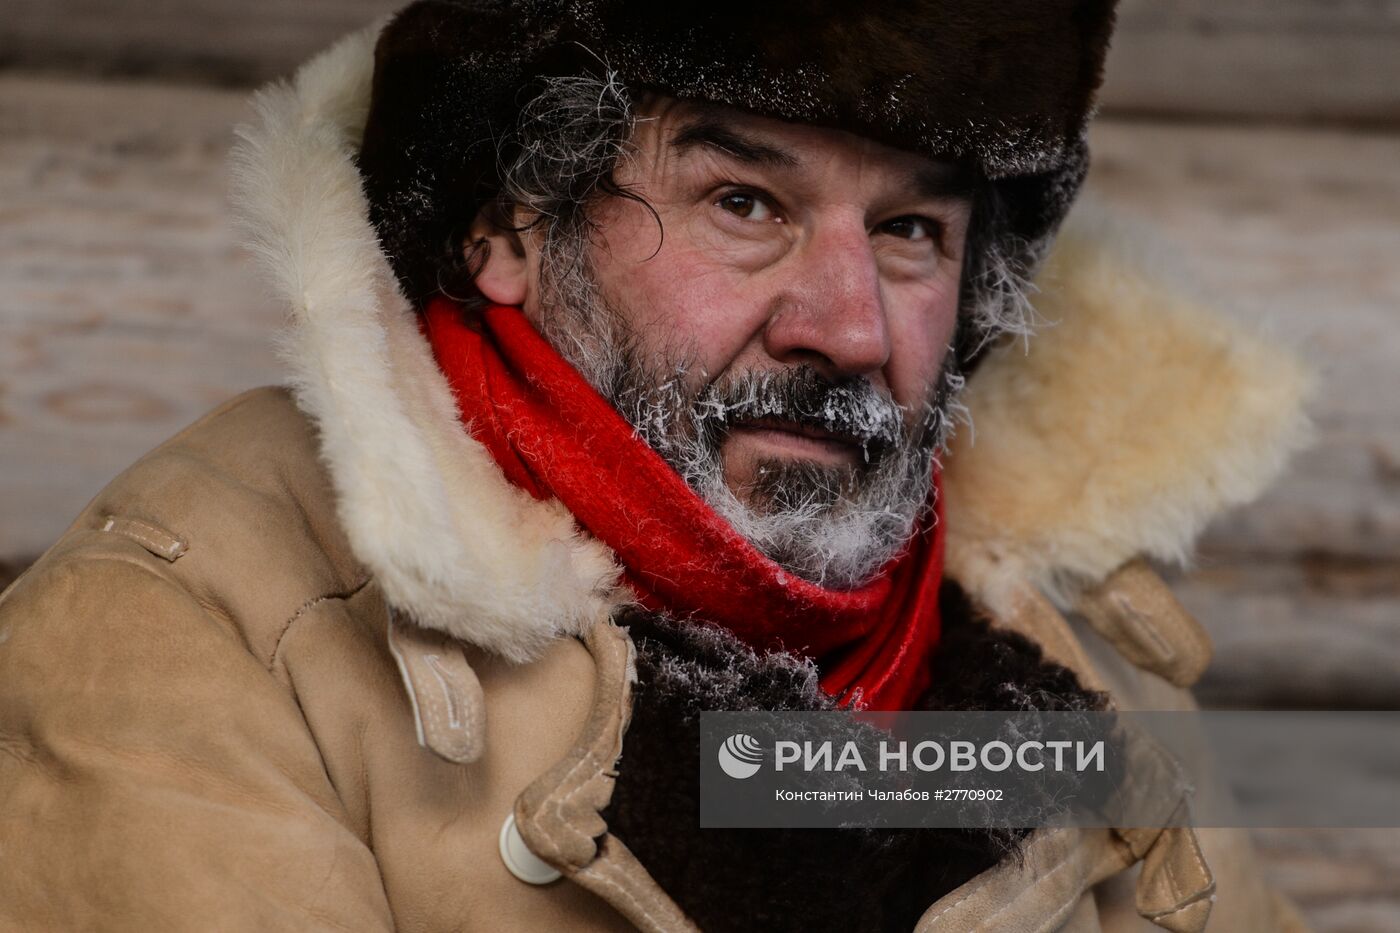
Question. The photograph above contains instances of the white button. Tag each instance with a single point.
(522, 863)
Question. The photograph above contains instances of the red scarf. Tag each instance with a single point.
(556, 437)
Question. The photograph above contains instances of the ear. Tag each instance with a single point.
(504, 273)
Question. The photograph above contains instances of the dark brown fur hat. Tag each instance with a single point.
(1006, 87)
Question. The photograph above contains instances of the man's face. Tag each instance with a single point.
(780, 295)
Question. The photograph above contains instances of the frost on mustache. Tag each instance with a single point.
(831, 525)
(853, 410)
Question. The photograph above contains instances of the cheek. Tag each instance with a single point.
(923, 319)
(683, 302)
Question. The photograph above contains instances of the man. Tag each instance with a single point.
(626, 350)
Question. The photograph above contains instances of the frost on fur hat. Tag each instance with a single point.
(1006, 88)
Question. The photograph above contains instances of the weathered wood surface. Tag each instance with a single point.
(1336, 60)
(1309, 634)
(1275, 59)
(1345, 880)
(125, 307)
(204, 41)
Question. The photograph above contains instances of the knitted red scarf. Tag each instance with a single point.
(556, 437)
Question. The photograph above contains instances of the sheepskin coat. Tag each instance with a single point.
(314, 664)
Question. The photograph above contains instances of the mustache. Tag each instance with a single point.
(851, 408)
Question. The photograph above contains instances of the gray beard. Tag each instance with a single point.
(835, 526)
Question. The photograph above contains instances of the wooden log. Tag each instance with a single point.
(201, 41)
(126, 307)
(1345, 880)
(1291, 60)
(1298, 634)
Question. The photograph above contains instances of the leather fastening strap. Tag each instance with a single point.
(1038, 891)
(558, 815)
(449, 709)
(1135, 611)
(1176, 889)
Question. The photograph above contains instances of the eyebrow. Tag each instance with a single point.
(709, 133)
(937, 181)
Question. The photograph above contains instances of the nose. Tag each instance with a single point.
(832, 313)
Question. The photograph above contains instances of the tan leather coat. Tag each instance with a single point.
(314, 664)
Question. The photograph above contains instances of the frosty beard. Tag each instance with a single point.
(834, 525)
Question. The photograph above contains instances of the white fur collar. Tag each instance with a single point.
(1128, 424)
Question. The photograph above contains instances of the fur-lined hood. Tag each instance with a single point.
(1130, 420)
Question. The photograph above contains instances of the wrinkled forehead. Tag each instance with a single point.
(670, 129)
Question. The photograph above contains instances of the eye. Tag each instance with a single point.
(747, 205)
(911, 228)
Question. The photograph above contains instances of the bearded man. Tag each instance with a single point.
(627, 346)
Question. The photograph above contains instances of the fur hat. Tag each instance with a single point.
(1005, 88)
